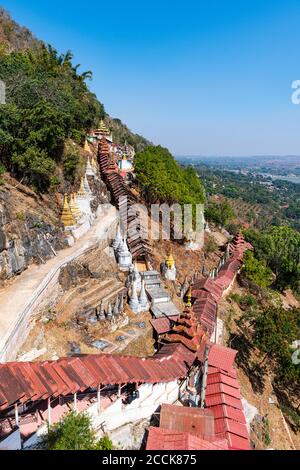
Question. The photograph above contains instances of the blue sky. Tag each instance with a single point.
(199, 77)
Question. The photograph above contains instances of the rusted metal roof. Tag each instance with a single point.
(163, 325)
(20, 382)
(196, 421)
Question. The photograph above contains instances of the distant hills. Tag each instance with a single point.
(278, 164)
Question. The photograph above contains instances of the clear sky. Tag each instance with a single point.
(202, 77)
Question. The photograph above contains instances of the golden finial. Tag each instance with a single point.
(86, 147)
(189, 297)
(81, 192)
(102, 128)
(170, 261)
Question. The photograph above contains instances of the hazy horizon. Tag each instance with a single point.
(200, 78)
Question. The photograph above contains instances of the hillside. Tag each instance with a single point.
(47, 103)
(14, 37)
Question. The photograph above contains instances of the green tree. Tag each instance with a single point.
(220, 213)
(275, 328)
(256, 270)
(74, 432)
(163, 180)
(279, 248)
(47, 102)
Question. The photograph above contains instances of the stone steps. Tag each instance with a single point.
(107, 294)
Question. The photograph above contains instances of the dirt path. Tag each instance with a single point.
(26, 292)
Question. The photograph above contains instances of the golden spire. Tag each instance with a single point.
(102, 128)
(66, 214)
(189, 297)
(74, 207)
(94, 163)
(170, 261)
(86, 147)
(124, 156)
(81, 192)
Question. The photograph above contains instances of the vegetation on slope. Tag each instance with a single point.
(254, 198)
(47, 102)
(74, 432)
(122, 134)
(163, 180)
(279, 249)
(14, 37)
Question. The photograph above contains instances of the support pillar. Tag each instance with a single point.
(49, 412)
(75, 401)
(119, 391)
(98, 400)
(17, 415)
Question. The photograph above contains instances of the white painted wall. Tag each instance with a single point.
(151, 397)
(114, 416)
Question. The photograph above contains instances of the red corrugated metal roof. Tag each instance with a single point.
(164, 439)
(163, 325)
(223, 425)
(196, 421)
(31, 381)
(236, 442)
(213, 389)
(218, 377)
(225, 411)
(221, 357)
(223, 399)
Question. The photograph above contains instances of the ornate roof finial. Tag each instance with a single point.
(170, 261)
(189, 297)
(86, 146)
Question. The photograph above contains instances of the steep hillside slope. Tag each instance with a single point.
(14, 37)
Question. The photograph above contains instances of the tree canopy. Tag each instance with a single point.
(47, 102)
(162, 179)
(74, 432)
(219, 212)
(256, 270)
(279, 249)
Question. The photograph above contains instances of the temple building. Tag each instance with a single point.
(117, 390)
(124, 164)
(102, 132)
(66, 215)
(87, 186)
(86, 147)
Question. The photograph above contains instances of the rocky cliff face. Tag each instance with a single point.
(29, 228)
